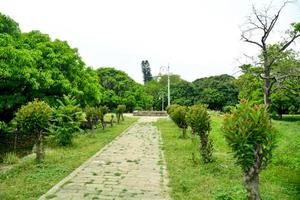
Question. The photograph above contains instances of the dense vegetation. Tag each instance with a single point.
(222, 178)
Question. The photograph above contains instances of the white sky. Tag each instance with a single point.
(197, 38)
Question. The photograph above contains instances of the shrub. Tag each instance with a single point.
(93, 115)
(67, 119)
(34, 118)
(199, 120)
(171, 108)
(11, 158)
(178, 115)
(119, 111)
(227, 109)
(249, 133)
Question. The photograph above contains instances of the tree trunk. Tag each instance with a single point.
(267, 92)
(252, 186)
(39, 147)
(118, 118)
(267, 79)
(184, 133)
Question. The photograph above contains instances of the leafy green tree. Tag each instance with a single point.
(261, 24)
(199, 120)
(34, 118)
(249, 84)
(121, 89)
(8, 26)
(33, 66)
(178, 115)
(248, 131)
(146, 71)
(183, 93)
(67, 119)
(216, 91)
(286, 90)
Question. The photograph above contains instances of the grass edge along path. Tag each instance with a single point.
(222, 179)
(29, 181)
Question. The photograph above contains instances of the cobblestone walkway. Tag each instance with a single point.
(131, 167)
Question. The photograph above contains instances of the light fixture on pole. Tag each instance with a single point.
(162, 68)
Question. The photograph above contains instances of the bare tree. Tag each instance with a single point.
(261, 23)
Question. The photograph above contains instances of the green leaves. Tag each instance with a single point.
(249, 133)
(198, 118)
(33, 117)
(66, 120)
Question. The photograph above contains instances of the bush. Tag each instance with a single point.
(119, 111)
(67, 119)
(178, 115)
(11, 158)
(227, 109)
(199, 120)
(249, 133)
(93, 116)
(34, 118)
(171, 108)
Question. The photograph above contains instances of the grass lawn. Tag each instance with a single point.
(29, 181)
(222, 179)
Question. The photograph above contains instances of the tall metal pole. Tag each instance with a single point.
(169, 96)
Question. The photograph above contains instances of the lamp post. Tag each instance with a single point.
(168, 74)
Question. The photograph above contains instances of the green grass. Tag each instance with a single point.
(222, 179)
(29, 181)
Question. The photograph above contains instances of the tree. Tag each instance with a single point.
(34, 118)
(119, 88)
(285, 95)
(146, 71)
(262, 23)
(248, 131)
(33, 66)
(9, 26)
(199, 120)
(178, 115)
(216, 91)
(119, 111)
(183, 93)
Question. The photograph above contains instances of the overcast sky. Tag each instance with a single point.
(197, 38)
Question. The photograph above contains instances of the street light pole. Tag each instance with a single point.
(169, 95)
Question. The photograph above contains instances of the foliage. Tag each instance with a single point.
(183, 93)
(199, 120)
(34, 66)
(119, 88)
(34, 118)
(249, 133)
(171, 108)
(146, 71)
(285, 91)
(119, 111)
(227, 109)
(93, 115)
(178, 115)
(67, 119)
(24, 180)
(223, 178)
(11, 158)
(216, 91)
(8, 26)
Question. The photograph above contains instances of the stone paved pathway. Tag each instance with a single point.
(131, 167)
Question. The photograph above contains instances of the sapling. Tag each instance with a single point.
(248, 131)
